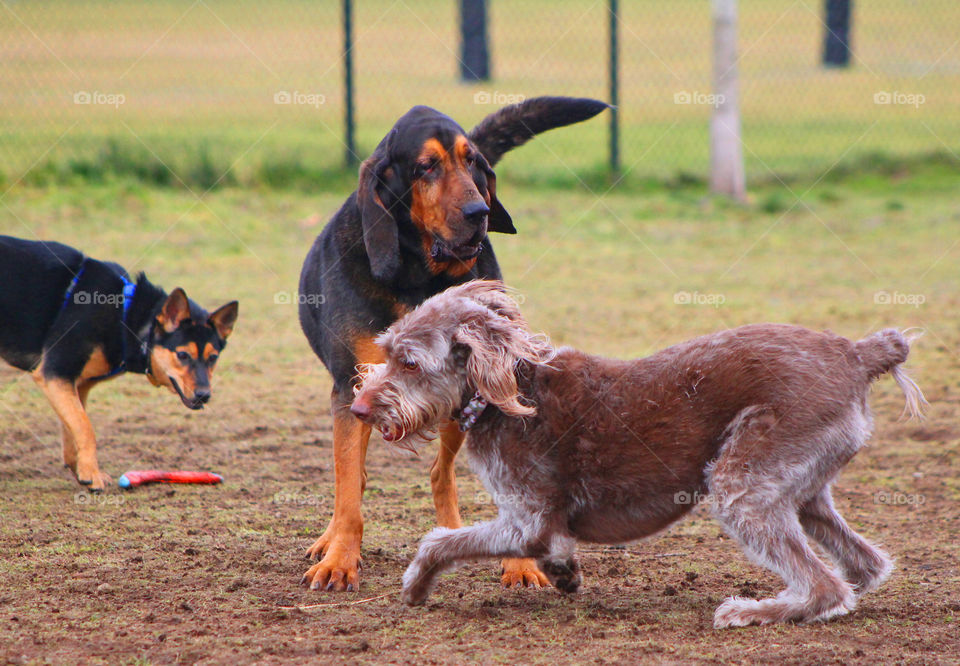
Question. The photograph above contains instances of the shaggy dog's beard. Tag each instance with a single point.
(408, 423)
(407, 417)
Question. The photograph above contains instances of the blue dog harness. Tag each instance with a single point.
(129, 290)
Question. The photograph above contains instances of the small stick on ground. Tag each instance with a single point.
(656, 556)
(335, 604)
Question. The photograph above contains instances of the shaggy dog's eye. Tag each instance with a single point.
(212, 359)
(410, 365)
(183, 357)
(470, 160)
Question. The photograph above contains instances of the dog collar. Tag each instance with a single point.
(471, 412)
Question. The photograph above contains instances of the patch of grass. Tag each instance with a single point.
(209, 74)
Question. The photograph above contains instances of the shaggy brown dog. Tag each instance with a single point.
(576, 447)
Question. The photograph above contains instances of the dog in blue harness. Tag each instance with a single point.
(74, 322)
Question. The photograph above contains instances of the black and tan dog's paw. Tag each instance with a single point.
(91, 477)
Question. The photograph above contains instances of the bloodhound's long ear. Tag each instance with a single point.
(380, 234)
(498, 219)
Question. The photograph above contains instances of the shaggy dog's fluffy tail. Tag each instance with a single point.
(884, 352)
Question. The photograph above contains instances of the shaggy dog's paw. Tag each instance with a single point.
(417, 583)
(565, 576)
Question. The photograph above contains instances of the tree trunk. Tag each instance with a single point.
(726, 152)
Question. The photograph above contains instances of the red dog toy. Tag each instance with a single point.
(142, 477)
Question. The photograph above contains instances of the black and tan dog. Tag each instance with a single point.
(74, 322)
(417, 224)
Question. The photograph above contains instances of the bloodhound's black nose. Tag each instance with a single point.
(475, 212)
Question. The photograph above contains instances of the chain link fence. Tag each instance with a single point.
(208, 92)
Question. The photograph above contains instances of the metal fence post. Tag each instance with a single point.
(350, 152)
(474, 51)
(614, 89)
(836, 40)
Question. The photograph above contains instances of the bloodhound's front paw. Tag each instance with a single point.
(338, 571)
(521, 572)
(319, 547)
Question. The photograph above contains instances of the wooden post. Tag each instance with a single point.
(726, 152)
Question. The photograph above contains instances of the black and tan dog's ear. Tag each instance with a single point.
(224, 318)
(174, 311)
(380, 235)
(498, 219)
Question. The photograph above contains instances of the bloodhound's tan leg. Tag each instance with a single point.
(339, 546)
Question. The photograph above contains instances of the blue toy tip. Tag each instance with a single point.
(123, 482)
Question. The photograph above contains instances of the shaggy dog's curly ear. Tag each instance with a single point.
(498, 342)
(498, 219)
(493, 294)
(380, 235)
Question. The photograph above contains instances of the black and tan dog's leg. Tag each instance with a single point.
(339, 546)
(66, 437)
(79, 441)
(69, 448)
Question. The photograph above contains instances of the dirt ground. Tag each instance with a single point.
(191, 574)
(185, 574)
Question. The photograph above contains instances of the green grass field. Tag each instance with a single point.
(198, 81)
(198, 574)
